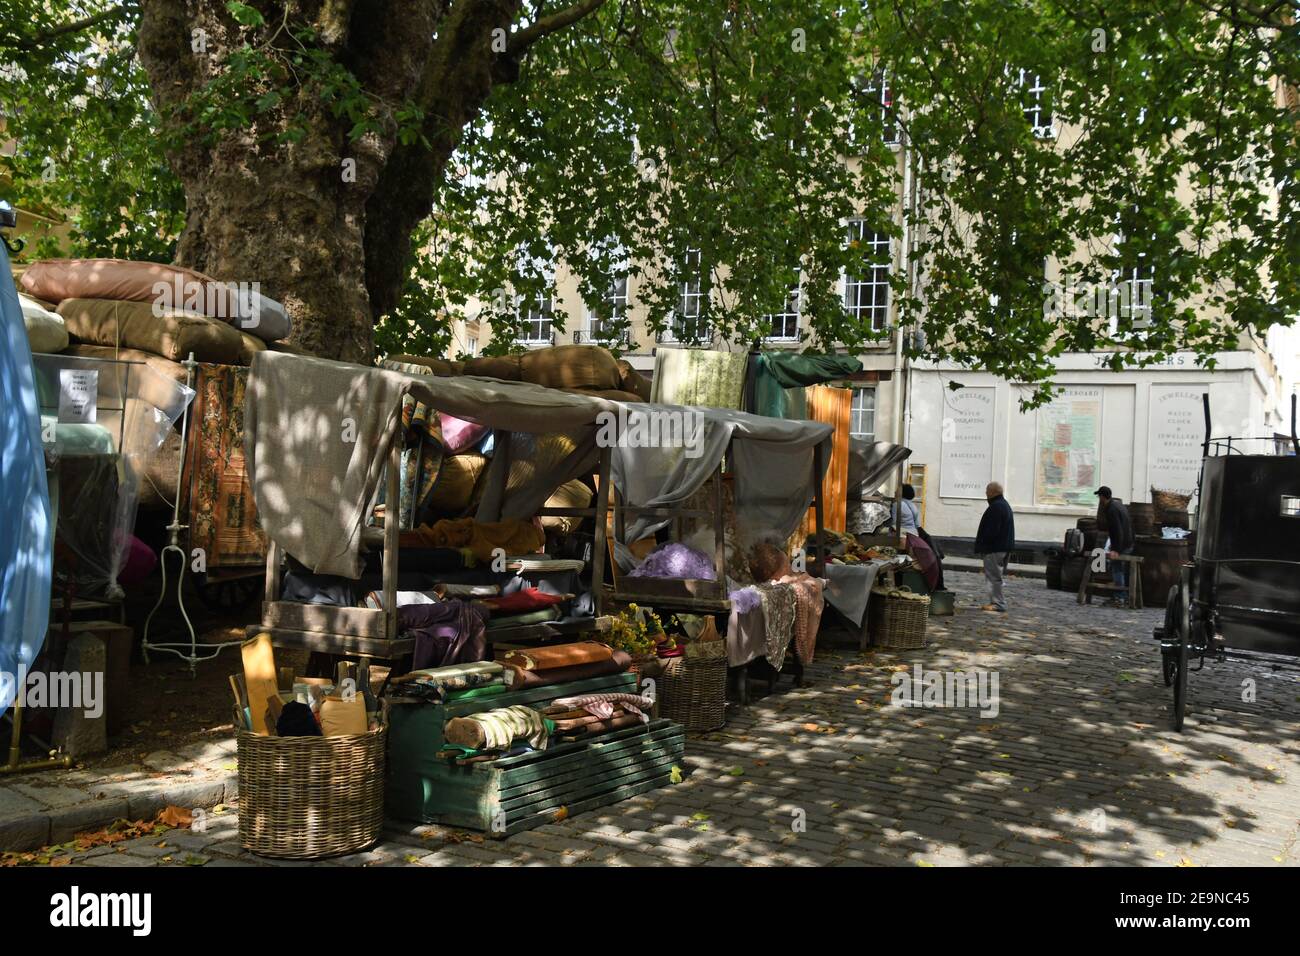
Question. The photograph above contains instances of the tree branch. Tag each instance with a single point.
(520, 41)
(50, 34)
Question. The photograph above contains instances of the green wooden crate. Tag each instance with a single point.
(505, 796)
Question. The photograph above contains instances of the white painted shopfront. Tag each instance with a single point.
(1130, 430)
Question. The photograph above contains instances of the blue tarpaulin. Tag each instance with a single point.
(26, 525)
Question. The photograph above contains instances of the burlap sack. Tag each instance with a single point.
(57, 279)
(630, 380)
(494, 366)
(181, 289)
(249, 345)
(458, 479)
(438, 366)
(571, 494)
(173, 335)
(173, 370)
(570, 366)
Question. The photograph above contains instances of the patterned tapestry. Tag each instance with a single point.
(222, 516)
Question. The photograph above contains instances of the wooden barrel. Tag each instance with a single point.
(1086, 524)
(1162, 560)
(1143, 517)
(1174, 518)
(1072, 572)
(1055, 563)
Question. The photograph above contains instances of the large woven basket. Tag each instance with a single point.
(304, 798)
(1173, 500)
(896, 621)
(693, 692)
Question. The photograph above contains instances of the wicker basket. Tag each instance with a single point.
(897, 622)
(1160, 500)
(693, 692)
(304, 798)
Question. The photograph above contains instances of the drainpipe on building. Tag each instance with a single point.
(901, 388)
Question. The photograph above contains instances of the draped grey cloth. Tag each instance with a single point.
(773, 459)
(317, 432)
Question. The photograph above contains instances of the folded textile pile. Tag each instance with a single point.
(498, 729)
(522, 601)
(449, 632)
(440, 683)
(480, 538)
(560, 663)
(589, 714)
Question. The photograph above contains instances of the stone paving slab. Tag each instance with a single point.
(1077, 768)
(51, 806)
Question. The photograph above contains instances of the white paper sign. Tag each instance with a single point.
(78, 395)
(1177, 429)
(966, 463)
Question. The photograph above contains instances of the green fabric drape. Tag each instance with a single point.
(776, 373)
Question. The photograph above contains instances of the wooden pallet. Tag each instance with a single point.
(517, 793)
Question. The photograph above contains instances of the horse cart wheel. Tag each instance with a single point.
(1180, 662)
(1168, 657)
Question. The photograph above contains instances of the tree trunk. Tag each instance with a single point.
(293, 217)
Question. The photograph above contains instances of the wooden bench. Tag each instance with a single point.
(1134, 587)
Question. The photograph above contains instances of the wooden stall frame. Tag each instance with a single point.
(370, 632)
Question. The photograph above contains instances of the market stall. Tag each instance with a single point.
(321, 438)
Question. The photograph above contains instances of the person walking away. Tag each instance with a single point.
(995, 540)
(1122, 541)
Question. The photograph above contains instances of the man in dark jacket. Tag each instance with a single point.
(1122, 541)
(995, 540)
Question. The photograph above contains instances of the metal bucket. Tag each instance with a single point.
(942, 604)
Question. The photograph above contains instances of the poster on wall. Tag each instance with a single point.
(1177, 428)
(1069, 448)
(966, 462)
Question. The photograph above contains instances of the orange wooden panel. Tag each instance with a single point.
(832, 406)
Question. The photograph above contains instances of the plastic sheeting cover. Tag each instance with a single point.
(26, 527)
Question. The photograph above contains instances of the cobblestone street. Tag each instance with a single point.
(1077, 767)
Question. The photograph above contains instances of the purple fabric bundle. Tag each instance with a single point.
(451, 632)
(674, 560)
(745, 600)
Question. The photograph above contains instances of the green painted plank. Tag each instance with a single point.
(511, 764)
(590, 803)
(595, 781)
(649, 748)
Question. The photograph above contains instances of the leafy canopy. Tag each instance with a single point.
(1127, 137)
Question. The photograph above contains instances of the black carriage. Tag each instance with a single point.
(1240, 595)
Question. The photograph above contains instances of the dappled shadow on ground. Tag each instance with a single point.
(1077, 767)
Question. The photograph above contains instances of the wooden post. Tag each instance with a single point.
(392, 528)
(598, 545)
(719, 527)
(272, 590)
(817, 510)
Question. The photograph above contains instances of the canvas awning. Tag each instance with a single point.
(316, 432)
